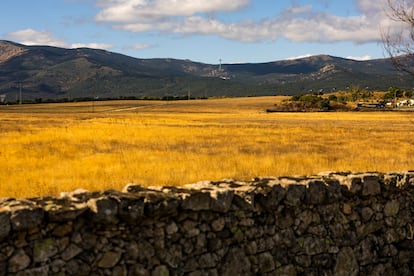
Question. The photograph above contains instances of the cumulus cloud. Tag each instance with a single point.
(34, 37)
(140, 46)
(331, 28)
(133, 10)
(301, 56)
(297, 10)
(299, 23)
(366, 57)
(137, 46)
(370, 7)
(102, 46)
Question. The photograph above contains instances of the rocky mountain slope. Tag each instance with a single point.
(51, 72)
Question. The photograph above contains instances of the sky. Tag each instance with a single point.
(233, 31)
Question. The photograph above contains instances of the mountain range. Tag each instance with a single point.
(45, 72)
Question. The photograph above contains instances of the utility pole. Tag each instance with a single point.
(20, 92)
(395, 98)
(94, 91)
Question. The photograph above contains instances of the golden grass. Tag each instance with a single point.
(46, 149)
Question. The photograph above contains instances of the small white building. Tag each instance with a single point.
(409, 102)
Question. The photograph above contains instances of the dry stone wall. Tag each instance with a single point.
(329, 224)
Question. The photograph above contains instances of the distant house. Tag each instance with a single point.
(409, 102)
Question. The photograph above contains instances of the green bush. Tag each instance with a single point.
(313, 101)
(333, 98)
(310, 98)
(394, 92)
(324, 104)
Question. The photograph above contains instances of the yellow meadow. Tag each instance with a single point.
(49, 148)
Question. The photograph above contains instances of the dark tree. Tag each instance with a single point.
(398, 39)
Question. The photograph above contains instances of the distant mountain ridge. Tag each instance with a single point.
(52, 72)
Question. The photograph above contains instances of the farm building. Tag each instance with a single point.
(409, 102)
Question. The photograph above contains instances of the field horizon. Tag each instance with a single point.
(47, 149)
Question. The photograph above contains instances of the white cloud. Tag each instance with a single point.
(137, 47)
(141, 10)
(371, 7)
(301, 56)
(141, 46)
(297, 23)
(297, 10)
(330, 28)
(34, 37)
(366, 57)
(102, 46)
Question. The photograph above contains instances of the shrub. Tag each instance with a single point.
(324, 104)
(310, 98)
(394, 92)
(309, 102)
(333, 98)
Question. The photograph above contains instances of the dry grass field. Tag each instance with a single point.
(49, 148)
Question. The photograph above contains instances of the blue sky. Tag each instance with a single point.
(202, 30)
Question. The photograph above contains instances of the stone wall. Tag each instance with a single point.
(330, 224)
